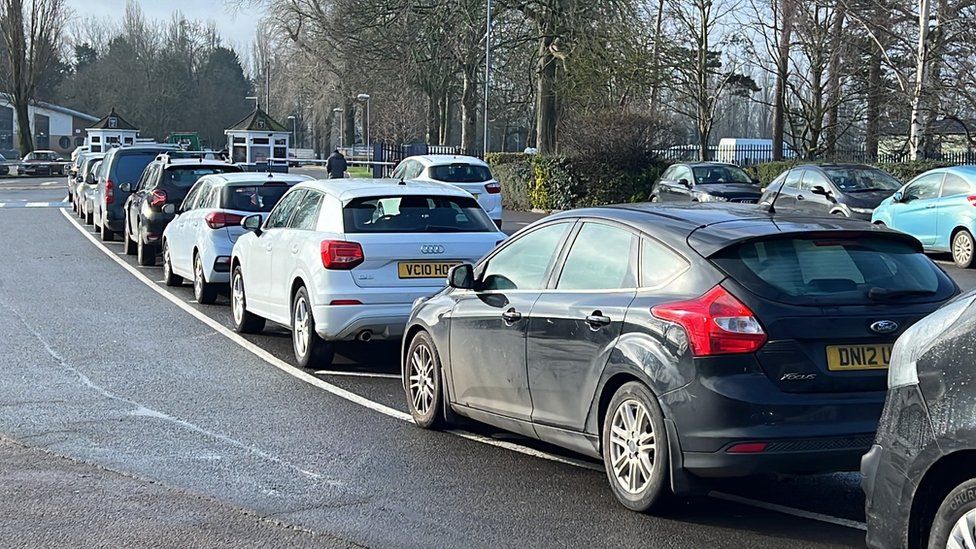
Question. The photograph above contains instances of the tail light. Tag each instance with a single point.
(716, 323)
(341, 255)
(493, 188)
(748, 448)
(219, 220)
(157, 198)
(972, 200)
(109, 192)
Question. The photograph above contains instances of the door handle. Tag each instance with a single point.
(268, 248)
(597, 320)
(799, 197)
(512, 316)
(294, 249)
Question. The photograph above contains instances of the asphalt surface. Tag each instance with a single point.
(126, 415)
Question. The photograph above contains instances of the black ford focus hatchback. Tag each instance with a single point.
(675, 343)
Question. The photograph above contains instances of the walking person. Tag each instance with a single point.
(336, 165)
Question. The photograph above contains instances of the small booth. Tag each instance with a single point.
(110, 132)
(259, 143)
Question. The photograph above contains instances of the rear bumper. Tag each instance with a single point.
(346, 322)
(819, 455)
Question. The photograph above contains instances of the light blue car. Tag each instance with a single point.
(939, 209)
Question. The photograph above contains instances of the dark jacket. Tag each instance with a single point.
(336, 165)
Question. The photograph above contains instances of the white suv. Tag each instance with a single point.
(466, 172)
(345, 259)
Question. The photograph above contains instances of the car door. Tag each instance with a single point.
(679, 189)
(488, 326)
(287, 249)
(953, 209)
(134, 202)
(572, 327)
(257, 274)
(193, 225)
(915, 214)
(808, 202)
(178, 239)
(786, 200)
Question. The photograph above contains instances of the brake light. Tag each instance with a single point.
(493, 188)
(748, 448)
(971, 199)
(109, 192)
(716, 323)
(219, 220)
(157, 198)
(345, 302)
(341, 255)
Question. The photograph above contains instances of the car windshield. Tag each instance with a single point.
(834, 270)
(721, 174)
(416, 214)
(252, 198)
(861, 179)
(460, 173)
(184, 177)
(44, 156)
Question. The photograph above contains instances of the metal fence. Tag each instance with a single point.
(749, 155)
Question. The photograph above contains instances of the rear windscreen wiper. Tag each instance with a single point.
(884, 293)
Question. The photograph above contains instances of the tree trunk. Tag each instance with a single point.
(656, 57)
(873, 111)
(469, 106)
(918, 117)
(546, 114)
(433, 133)
(349, 111)
(23, 125)
(782, 73)
(832, 122)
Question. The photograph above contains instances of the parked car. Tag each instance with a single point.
(85, 176)
(122, 165)
(42, 163)
(344, 259)
(165, 181)
(4, 167)
(849, 190)
(198, 242)
(86, 191)
(939, 209)
(676, 342)
(920, 475)
(466, 172)
(706, 182)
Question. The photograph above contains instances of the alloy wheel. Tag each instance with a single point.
(963, 533)
(422, 379)
(301, 327)
(237, 299)
(962, 249)
(632, 446)
(167, 270)
(198, 278)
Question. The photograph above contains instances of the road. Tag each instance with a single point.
(129, 414)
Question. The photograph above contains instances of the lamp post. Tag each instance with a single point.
(487, 71)
(294, 129)
(342, 124)
(364, 98)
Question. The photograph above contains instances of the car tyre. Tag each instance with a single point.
(635, 449)
(422, 383)
(244, 322)
(204, 292)
(89, 218)
(145, 253)
(963, 249)
(956, 518)
(169, 277)
(106, 234)
(129, 245)
(310, 349)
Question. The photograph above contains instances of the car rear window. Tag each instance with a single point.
(184, 177)
(129, 166)
(835, 271)
(252, 198)
(460, 173)
(416, 214)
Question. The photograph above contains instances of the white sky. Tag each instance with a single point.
(236, 25)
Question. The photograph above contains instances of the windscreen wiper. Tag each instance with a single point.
(879, 294)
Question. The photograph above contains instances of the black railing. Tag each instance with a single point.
(749, 155)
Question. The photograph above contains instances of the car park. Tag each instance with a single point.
(84, 177)
(165, 181)
(467, 172)
(939, 209)
(86, 192)
(920, 476)
(848, 190)
(706, 182)
(42, 163)
(677, 342)
(198, 242)
(120, 166)
(344, 259)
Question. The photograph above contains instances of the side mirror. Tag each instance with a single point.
(819, 189)
(78, 178)
(90, 180)
(684, 182)
(252, 223)
(461, 277)
(169, 209)
(898, 197)
(125, 187)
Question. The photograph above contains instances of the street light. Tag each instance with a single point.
(294, 129)
(364, 98)
(487, 71)
(342, 124)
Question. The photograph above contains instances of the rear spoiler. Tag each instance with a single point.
(709, 243)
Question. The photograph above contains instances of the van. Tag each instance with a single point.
(746, 152)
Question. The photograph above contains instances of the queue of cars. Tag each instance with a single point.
(676, 342)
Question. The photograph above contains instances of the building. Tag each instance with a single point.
(946, 136)
(110, 132)
(258, 143)
(55, 127)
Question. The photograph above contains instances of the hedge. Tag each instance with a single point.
(903, 171)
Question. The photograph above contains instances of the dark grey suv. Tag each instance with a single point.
(677, 343)
(121, 166)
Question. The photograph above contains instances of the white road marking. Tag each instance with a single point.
(355, 374)
(34, 204)
(403, 416)
(49, 183)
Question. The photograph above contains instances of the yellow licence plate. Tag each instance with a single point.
(842, 358)
(425, 269)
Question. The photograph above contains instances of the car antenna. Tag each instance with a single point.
(772, 205)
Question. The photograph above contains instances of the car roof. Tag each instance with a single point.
(251, 178)
(969, 171)
(350, 189)
(445, 159)
(709, 228)
(705, 164)
(184, 162)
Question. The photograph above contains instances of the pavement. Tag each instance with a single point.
(129, 414)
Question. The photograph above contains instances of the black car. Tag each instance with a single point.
(706, 182)
(675, 342)
(920, 476)
(121, 166)
(849, 190)
(165, 181)
(42, 163)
